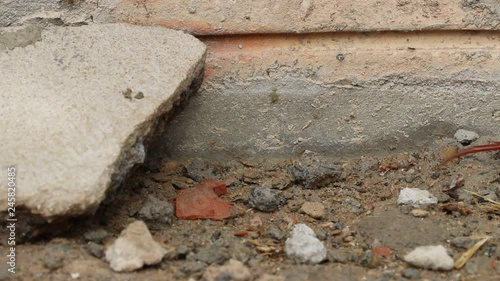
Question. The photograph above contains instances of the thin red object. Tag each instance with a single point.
(474, 149)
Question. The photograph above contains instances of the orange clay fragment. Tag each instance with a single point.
(201, 201)
(474, 149)
(382, 251)
(242, 233)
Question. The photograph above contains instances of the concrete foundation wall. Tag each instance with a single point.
(340, 93)
(335, 76)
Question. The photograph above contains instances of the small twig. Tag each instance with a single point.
(494, 208)
(483, 197)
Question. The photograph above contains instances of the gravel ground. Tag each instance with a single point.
(350, 205)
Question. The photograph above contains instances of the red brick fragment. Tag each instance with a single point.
(201, 201)
(382, 251)
(492, 263)
(218, 187)
(242, 233)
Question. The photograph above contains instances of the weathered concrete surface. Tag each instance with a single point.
(74, 120)
(46, 12)
(262, 16)
(19, 36)
(343, 58)
(339, 93)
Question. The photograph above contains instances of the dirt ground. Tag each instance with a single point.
(364, 230)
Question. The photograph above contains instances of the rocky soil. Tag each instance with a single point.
(305, 218)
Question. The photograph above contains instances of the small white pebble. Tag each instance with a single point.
(415, 197)
(430, 257)
(419, 213)
(304, 247)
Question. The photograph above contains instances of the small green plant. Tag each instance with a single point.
(274, 96)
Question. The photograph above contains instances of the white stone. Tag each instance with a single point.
(465, 137)
(302, 229)
(304, 247)
(66, 125)
(415, 197)
(134, 248)
(430, 257)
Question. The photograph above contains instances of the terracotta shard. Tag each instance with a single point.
(202, 201)
(382, 251)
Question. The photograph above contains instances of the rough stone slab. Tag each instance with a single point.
(73, 120)
(47, 12)
(19, 36)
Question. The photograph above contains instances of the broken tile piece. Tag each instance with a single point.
(202, 201)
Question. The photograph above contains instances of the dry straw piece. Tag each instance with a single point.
(494, 207)
(470, 252)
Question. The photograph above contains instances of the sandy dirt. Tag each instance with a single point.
(364, 230)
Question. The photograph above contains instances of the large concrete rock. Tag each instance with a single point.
(80, 105)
